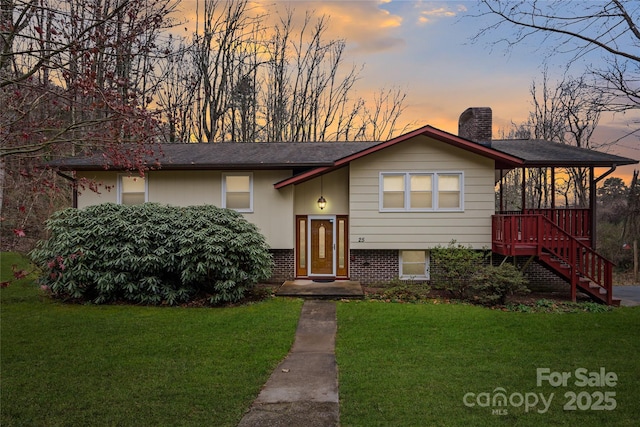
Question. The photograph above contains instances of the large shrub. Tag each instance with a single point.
(493, 284)
(466, 274)
(151, 254)
(454, 268)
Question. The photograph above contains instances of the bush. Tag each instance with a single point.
(463, 272)
(610, 243)
(151, 254)
(493, 284)
(402, 290)
(454, 269)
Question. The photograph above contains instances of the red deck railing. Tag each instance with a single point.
(536, 234)
(576, 222)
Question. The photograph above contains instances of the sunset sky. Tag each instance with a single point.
(425, 49)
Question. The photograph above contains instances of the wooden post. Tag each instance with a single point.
(635, 262)
(524, 189)
(501, 192)
(592, 207)
(553, 188)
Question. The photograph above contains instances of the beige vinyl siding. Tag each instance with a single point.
(372, 229)
(272, 209)
(335, 188)
(104, 182)
(185, 188)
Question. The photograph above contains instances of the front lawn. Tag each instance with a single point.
(414, 364)
(399, 364)
(133, 365)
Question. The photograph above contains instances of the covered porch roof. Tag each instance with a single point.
(546, 154)
(537, 153)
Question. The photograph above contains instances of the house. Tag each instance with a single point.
(371, 211)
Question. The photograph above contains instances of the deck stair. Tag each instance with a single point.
(569, 257)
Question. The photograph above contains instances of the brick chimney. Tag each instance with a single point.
(475, 124)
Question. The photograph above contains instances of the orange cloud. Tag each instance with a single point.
(364, 24)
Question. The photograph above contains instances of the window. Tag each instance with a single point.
(421, 194)
(237, 191)
(421, 191)
(302, 246)
(393, 191)
(449, 191)
(132, 190)
(414, 265)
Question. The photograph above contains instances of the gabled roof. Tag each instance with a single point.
(317, 158)
(503, 160)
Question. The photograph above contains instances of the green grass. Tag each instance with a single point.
(132, 366)
(412, 364)
(399, 364)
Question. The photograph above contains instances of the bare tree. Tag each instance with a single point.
(607, 28)
(87, 59)
(547, 123)
(177, 89)
(288, 84)
(72, 76)
(568, 114)
(312, 90)
(225, 62)
(581, 110)
(382, 117)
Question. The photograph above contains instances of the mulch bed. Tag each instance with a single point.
(529, 299)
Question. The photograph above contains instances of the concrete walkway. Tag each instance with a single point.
(303, 389)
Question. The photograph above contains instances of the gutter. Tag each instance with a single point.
(606, 174)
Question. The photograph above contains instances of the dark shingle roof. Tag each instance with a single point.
(537, 152)
(263, 155)
(306, 155)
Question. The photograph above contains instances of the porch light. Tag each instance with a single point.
(322, 203)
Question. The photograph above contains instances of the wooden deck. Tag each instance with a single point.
(541, 234)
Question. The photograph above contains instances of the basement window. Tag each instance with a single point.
(414, 265)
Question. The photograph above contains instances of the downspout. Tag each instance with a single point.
(592, 200)
(74, 185)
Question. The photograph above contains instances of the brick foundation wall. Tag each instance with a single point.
(367, 266)
(375, 266)
(540, 278)
(371, 266)
(284, 264)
